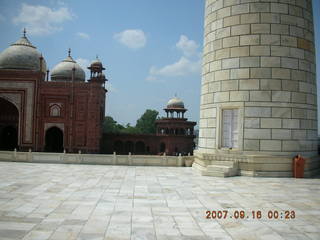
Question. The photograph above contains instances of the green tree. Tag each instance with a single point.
(130, 129)
(146, 123)
(111, 126)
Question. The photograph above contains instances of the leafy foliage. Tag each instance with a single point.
(111, 126)
(130, 129)
(145, 124)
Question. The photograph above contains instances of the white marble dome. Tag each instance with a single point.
(175, 103)
(63, 71)
(22, 55)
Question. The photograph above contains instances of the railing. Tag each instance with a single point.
(103, 159)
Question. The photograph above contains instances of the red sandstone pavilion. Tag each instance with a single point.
(65, 112)
(174, 135)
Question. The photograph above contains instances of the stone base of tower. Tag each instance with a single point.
(235, 163)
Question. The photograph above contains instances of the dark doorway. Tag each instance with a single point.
(9, 121)
(140, 147)
(9, 138)
(162, 147)
(118, 147)
(176, 150)
(129, 147)
(54, 140)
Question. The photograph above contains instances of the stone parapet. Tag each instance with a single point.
(100, 159)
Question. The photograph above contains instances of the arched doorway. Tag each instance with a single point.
(129, 147)
(9, 122)
(140, 147)
(118, 147)
(54, 140)
(162, 147)
(176, 150)
(9, 138)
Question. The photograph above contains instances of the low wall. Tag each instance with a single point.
(103, 159)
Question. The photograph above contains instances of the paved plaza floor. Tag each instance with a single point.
(57, 202)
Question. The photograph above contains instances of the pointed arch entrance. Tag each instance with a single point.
(140, 147)
(9, 125)
(54, 140)
(162, 147)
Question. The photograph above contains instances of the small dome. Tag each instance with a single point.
(175, 103)
(63, 70)
(22, 55)
(96, 66)
(96, 63)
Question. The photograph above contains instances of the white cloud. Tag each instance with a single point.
(188, 47)
(132, 38)
(41, 20)
(188, 64)
(83, 35)
(151, 78)
(183, 67)
(84, 63)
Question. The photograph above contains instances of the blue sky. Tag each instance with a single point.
(151, 48)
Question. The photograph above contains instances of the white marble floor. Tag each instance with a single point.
(57, 202)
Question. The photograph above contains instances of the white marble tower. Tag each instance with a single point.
(259, 95)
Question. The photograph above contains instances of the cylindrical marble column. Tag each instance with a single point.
(259, 60)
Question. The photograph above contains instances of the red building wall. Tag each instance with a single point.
(81, 104)
(152, 142)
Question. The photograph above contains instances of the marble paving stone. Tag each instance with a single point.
(90, 236)
(58, 202)
(38, 235)
(12, 234)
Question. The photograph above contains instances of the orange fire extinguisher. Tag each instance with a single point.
(298, 166)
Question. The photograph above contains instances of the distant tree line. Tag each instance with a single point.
(145, 124)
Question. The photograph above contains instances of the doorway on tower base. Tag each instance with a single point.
(230, 128)
(54, 140)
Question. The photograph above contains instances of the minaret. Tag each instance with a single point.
(96, 104)
(96, 69)
(259, 94)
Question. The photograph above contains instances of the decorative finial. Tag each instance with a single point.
(97, 57)
(175, 95)
(24, 32)
(69, 52)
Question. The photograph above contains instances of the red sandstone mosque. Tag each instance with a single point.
(66, 112)
(42, 114)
